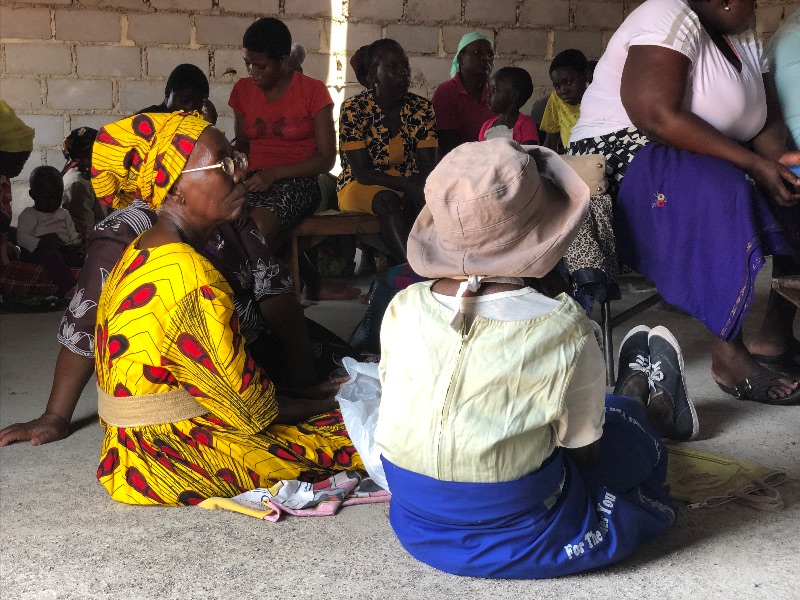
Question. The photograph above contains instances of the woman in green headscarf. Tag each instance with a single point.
(462, 103)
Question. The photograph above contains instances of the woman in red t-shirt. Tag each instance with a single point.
(284, 123)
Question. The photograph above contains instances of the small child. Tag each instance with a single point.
(570, 73)
(45, 231)
(509, 89)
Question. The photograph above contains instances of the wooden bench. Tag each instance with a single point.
(318, 226)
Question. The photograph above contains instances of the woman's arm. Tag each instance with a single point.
(73, 372)
(321, 162)
(654, 82)
(551, 141)
(241, 142)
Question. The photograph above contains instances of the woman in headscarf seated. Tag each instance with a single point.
(462, 102)
(187, 411)
(387, 145)
(181, 331)
(516, 464)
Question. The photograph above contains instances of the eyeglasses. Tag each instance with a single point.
(227, 164)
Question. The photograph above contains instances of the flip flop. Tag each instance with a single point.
(755, 389)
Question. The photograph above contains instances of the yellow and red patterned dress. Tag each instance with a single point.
(166, 322)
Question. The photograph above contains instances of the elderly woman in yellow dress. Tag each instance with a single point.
(187, 412)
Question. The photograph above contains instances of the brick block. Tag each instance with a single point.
(306, 32)
(224, 60)
(110, 61)
(50, 129)
(451, 36)
(219, 94)
(309, 8)
(94, 121)
(87, 26)
(21, 93)
(547, 13)
(161, 61)
(45, 59)
(317, 66)
(161, 28)
(598, 15)
(25, 23)
(491, 11)
(538, 69)
(221, 30)
(182, 5)
(262, 8)
(132, 5)
(54, 157)
(589, 42)
(429, 70)
(768, 18)
(440, 10)
(415, 38)
(135, 95)
(384, 10)
(358, 34)
(528, 42)
(79, 93)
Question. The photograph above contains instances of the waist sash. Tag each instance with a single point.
(148, 409)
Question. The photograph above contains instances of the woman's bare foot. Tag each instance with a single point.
(731, 364)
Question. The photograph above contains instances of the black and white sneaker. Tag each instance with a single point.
(634, 364)
(670, 409)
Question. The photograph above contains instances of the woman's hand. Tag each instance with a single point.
(43, 430)
(776, 180)
(304, 404)
(260, 181)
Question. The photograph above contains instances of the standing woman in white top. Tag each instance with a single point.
(697, 159)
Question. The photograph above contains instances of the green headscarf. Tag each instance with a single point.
(467, 39)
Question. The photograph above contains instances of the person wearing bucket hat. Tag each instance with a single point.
(79, 198)
(169, 349)
(515, 464)
(462, 102)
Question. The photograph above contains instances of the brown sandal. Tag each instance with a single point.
(755, 389)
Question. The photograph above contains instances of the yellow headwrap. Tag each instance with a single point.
(142, 156)
(15, 136)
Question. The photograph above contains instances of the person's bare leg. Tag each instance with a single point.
(775, 336)
(731, 363)
(270, 227)
(387, 206)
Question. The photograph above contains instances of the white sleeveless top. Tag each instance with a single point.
(733, 102)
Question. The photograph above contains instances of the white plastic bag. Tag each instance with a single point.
(360, 400)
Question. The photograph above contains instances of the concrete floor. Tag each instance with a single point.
(62, 537)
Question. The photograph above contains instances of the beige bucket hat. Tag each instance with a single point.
(497, 209)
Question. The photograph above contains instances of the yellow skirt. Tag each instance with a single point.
(356, 197)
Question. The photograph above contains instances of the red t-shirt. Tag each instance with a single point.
(281, 132)
(456, 109)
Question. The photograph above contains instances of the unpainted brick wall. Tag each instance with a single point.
(68, 63)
